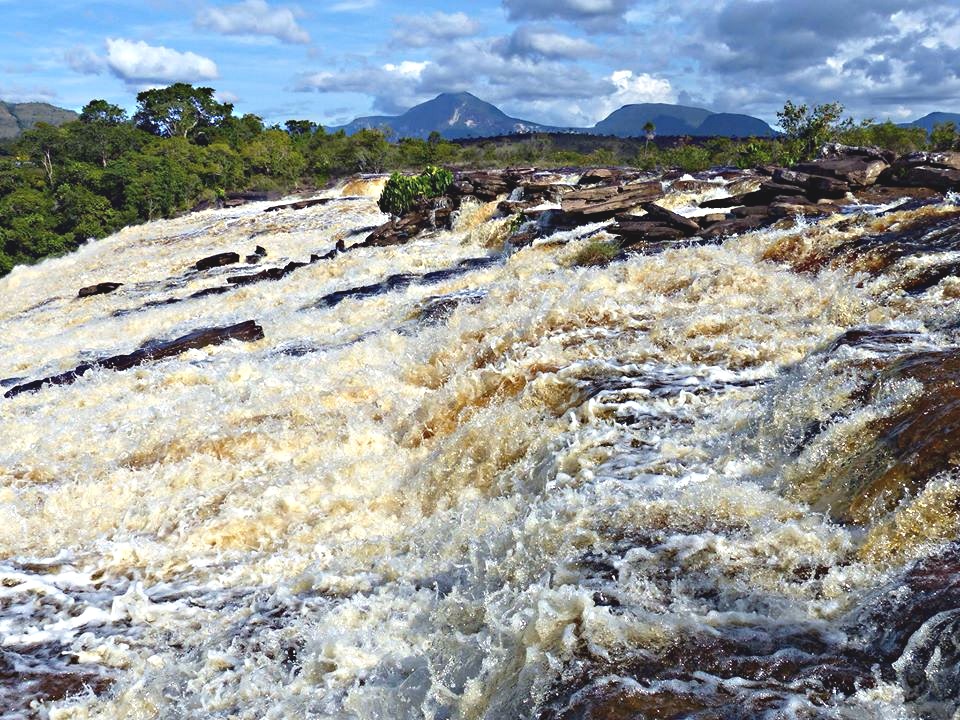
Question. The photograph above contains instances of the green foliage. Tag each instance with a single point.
(945, 136)
(403, 191)
(885, 135)
(179, 110)
(597, 252)
(807, 129)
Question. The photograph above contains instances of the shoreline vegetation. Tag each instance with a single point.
(182, 149)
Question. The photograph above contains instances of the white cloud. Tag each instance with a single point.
(424, 30)
(139, 63)
(407, 69)
(254, 17)
(632, 88)
(545, 42)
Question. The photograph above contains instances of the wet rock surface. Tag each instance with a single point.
(98, 289)
(248, 331)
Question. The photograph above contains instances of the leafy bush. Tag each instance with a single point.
(402, 192)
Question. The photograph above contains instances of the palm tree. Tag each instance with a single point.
(650, 131)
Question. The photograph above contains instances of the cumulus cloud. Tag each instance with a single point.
(882, 54)
(424, 30)
(254, 17)
(140, 63)
(597, 14)
(545, 42)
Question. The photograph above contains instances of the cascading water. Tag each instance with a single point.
(714, 482)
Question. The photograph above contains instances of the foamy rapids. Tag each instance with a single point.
(689, 484)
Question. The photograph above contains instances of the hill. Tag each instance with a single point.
(17, 117)
(462, 115)
(935, 118)
(453, 115)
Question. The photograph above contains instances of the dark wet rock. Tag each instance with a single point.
(855, 170)
(929, 669)
(872, 337)
(427, 215)
(887, 621)
(792, 208)
(400, 281)
(229, 203)
(437, 309)
(767, 667)
(606, 201)
(686, 225)
(248, 331)
(899, 453)
(484, 185)
(882, 195)
(947, 160)
(98, 289)
(750, 211)
(814, 186)
(641, 229)
(736, 226)
(253, 196)
(207, 292)
(218, 260)
(710, 219)
(725, 202)
(300, 204)
(942, 179)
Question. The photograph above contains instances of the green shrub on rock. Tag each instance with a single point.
(401, 192)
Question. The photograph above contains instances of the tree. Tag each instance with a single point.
(180, 110)
(300, 128)
(944, 136)
(649, 132)
(100, 111)
(806, 130)
(44, 143)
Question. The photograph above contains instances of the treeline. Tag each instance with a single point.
(60, 186)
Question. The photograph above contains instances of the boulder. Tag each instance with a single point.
(926, 176)
(98, 289)
(686, 225)
(835, 151)
(606, 201)
(601, 176)
(949, 160)
(426, 215)
(856, 171)
(640, 230)
(736, 226)
(218, 260)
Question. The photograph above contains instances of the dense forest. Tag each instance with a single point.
(60, 186)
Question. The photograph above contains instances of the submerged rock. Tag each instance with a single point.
(247, 331)
(98, 289)
(218, 260)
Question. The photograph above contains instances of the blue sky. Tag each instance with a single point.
(552, 61)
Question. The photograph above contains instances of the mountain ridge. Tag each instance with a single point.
(17, 117)
(464, 115)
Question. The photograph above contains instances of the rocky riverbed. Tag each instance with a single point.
(303, 460)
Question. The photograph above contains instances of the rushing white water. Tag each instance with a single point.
(512, 492)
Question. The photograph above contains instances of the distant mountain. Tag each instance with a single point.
(462, 115)
(935, 118)
(733, 125)
(629, 120)
(453, 115)
(17, 117)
